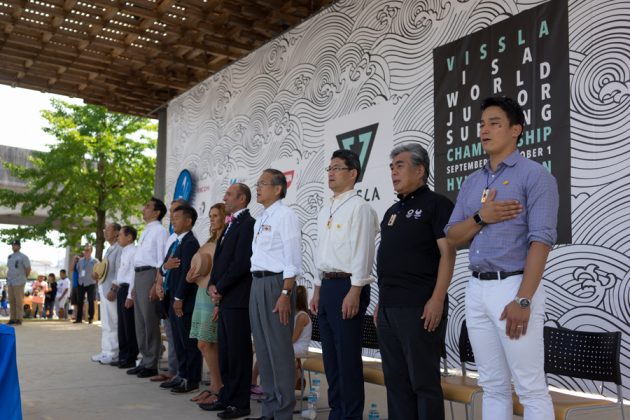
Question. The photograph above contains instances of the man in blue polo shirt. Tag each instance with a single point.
(507, 211)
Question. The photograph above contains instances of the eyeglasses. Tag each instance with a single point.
(337, 169)
(262, 184)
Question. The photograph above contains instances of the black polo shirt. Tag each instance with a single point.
(408, 256)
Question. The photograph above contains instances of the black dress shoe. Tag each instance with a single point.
(78, 322)
(259, 418)
(184, 387)
(147, 373)
(234, 413)
(215, 406)
(11, 322)
(125, 365)
(115, 363)
(171, 384)
(136, 370)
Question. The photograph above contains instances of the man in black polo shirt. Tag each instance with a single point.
(414, 265)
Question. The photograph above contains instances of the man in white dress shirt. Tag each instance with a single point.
(149, 257)
(276, 262)
(346, 229)
(109, 315)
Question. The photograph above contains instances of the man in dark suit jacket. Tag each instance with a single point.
(181, 298)
(229, 286)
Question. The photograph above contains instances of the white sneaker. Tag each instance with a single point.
(106, 359)
(97, 357)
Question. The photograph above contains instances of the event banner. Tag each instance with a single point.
(525, 57)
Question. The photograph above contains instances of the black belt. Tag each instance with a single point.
(143, 268)
(264, 273)
(336, 275)
(495, 275)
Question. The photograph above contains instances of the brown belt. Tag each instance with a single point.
(337, 275)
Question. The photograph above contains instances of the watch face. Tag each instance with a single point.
(524, 302)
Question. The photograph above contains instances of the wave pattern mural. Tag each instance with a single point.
(270, 110)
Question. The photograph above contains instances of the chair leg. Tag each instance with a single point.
(452, 411)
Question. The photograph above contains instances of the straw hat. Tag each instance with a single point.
(203, 262)
(100, 270)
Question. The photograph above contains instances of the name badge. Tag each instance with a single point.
(82, 273)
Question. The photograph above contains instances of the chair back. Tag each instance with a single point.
(466, 354)
(369, 339)
(583, 354)
(315, 336)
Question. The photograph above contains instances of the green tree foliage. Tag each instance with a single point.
(102, 168)
(3, 271)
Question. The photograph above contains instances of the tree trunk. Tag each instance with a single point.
(100, 236)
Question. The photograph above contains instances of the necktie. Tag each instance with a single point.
(168, 272)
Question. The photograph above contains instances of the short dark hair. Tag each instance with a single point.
(159, 206)
(52, 275)
(188, 211)
(116, 226)
(62, 271)
(278, 178)
(244, 190)
(511, 108)
(350, 159)
(130, 230)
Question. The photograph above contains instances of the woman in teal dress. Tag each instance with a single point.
(204, 325)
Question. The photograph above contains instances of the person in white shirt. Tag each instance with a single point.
(63, 290)
(122, 285)
(109, 313)
(346, 227)
(276, 262)
(149, 257)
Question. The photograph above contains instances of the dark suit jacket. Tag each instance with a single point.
(178, 287)
(232, 261)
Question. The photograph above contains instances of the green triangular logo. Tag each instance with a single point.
(360, 142)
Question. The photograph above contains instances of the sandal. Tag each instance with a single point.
(160, 378)
(209, 399)
(201, 396)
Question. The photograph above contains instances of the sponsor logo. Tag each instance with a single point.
(359, 141)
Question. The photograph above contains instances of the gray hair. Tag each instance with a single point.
(419, 156)
(278, 178)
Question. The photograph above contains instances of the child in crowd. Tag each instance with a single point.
(50, 295)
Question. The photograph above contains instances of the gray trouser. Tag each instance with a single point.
(146, 320)
(172, 357)
(274, 347)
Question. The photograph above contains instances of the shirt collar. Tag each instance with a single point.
(238, 213)
(344, 195)
(272, 208)
(411, 195)
(181, 236)
(511, 160)
(153, 223)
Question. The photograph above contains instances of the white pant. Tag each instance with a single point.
(500, 359)
(109, 325)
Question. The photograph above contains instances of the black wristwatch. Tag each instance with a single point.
(477, 218)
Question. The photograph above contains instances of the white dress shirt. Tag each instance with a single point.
(277, 244)
(346, 234)
(126, 273)
(62, 286)
(151, 246)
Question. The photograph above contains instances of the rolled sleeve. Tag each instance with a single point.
(542, 208)
(362, 241)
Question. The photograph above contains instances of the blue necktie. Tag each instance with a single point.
(171, 254)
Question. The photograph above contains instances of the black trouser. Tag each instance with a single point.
(127, 343)
(341, 349)
(49, 305)
(235, 356)
(411, 364)
(189, 360)
(91, 295)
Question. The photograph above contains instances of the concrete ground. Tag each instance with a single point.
(59, 382)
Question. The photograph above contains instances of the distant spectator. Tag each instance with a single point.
(51, 293)
(3, 302)
(87, 284)
(18, 269)
(40, 287)
(75, 285)
(61, 298)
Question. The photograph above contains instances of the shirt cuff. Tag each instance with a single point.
(177, 299)
(361, 282)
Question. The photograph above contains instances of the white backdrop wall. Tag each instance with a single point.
(278, 106)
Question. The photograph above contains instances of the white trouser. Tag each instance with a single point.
(109, 325)
(500, 359)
